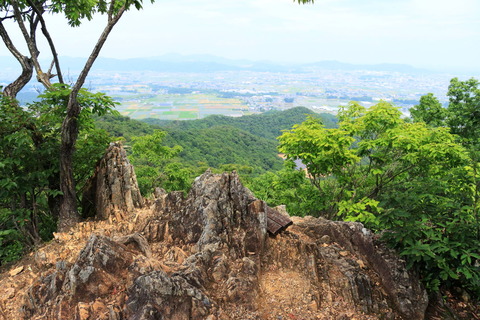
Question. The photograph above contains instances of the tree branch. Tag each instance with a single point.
(49, 40)
(13, 15)
(96, 51)
(110, 11)
(13, 88)
(32, 46)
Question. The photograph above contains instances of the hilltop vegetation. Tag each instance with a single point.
(247, 144)
(266, 125)
(223, 144)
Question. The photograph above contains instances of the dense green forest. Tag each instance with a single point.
(415, 181)
(267, 125)
(29, 164)
(247, 144)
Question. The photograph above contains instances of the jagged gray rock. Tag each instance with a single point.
(209, 256)
(101, 268)
(216, 212)
(159, 296)
(113, 189)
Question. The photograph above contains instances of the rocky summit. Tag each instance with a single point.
(208, 255)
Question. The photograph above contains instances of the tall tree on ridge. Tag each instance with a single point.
(29, 14)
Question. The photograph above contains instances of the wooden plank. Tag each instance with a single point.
(276, 222)
(273, 227)
(278, 217)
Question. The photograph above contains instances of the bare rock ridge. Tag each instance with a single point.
(210, 256)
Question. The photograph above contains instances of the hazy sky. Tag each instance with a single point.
(423, 33)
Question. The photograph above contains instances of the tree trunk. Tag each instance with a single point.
(68, 215)
(54, 201)
(40, 11)
(31, 42)
(68, 209)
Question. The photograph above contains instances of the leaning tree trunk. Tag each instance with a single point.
(68, 215)
(68, 209)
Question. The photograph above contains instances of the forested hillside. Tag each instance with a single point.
(267, 125)
(219, 145)
(246, 143)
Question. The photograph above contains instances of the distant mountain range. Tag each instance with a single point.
(209, 63)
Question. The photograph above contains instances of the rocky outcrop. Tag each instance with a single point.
(405, 293)
(62, 293)
(345, 264)
(218, 212)
(113, 189)
(209, 256)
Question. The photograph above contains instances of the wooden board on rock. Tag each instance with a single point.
(276, 221)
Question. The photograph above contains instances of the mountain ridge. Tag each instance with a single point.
(210, 63)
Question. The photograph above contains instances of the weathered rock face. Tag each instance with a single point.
(407, 295)
(342, 259)
(209, 256)
(225, 234)
(95, 275)
(113, 189)
(219, 211)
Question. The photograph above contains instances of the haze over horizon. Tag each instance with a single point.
(429, 34)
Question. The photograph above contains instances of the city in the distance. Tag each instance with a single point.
(177, 87)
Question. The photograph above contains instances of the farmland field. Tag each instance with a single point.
(183, 96)
(178, 106)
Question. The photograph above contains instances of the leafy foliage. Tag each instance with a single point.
(150, 158)
(463, 115)
(304, 1)
(74, 11)
(246, 144)
(430, 111)
(29, 165)
(412, 180)
(287, 187)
